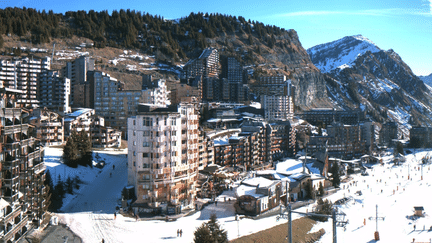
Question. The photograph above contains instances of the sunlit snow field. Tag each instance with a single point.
(90, 211)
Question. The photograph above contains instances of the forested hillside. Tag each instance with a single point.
(132, 29)
(264, 49)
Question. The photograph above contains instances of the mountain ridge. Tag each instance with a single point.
(377, 81)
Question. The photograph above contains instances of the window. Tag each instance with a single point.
(174, 143)
(146, 186)
(146, 144)
(147, 121)
(145, 155)
(174, 133)
(134, 122)
(146, 166)
(173, 122)
(146, 133)
(134, 143)
(134, 154)
(134, 133)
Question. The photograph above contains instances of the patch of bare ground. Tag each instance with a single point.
(277, 234)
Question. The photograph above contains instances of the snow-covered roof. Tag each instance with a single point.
(247, 190)
(3, 203)
(289, 167)
(221, 141)
(79, 112)
(298, 176)
(257, 181)
(214, 120)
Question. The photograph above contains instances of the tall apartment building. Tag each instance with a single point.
(79, 120)
(388, 134)
(54, 91)
(206, 65)
(103, 136)
(421, 137)
(22, 74)
(22, 193)
(278, 107)
(232, 70)
(116, 104)
(49, 126)
(343, 141)
(329, 115)
(76, 71)
(272, 85)
(277, 97)
(181, 91)
(163, 157)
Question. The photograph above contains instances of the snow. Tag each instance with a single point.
(388, 187)
(89, 212)
(349, 48)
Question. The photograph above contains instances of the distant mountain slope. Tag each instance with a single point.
(359, 74)
(427, 79)
(340, 53)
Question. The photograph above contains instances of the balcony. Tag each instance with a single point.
(12, 214)
(11, 162)
(14, 129)
(39, 168)
(17, 227)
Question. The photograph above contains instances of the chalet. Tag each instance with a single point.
(418, 211)
(257, 195)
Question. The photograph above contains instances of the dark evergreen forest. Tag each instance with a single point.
(132, 29)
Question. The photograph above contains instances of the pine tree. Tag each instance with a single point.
(335, 177)
(203, 234)
(69, 185)
(70, 152)
(210, 232)
(321, 189)
(310, 190)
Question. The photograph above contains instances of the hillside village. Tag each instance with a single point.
(204, 129)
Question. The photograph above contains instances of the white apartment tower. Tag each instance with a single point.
(22, 74)
(277, 97)
(163, 157)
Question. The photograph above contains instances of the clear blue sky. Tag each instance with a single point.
(402, 25)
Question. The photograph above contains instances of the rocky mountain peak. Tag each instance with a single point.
(341, 53)
(361, 75)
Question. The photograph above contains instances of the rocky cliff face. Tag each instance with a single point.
(289, 56)
(359, 74)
